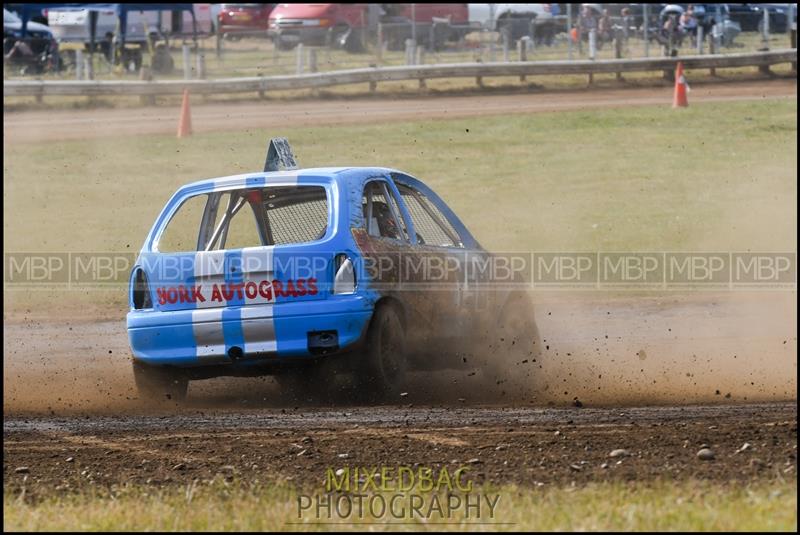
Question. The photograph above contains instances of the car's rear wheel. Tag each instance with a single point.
(381, 370)
(159, 384)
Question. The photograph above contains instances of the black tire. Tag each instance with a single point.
(280, 44)
(381, 368)
(513, 348)
(159, 384)
(162, 62)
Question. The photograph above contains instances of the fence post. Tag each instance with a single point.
(592, 50)
(218, 45)
(479, 79)
(618, 45)
(506, 44)
(522, 49)
(300, 58)
(420, 55)
(792, 29)
(569, 31)
(646, 29)
(312, 60)
(379, 47)
(712, 49)
(373, 86)
(533, 34)
(410, 52)
(146, 75)
(764, 69)
(79, 64)
(201, 65)
(522, 53)
(421, 61)
(89, 67)
(187, 67)
(699, 38)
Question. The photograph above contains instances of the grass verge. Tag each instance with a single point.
(713, 177)
(686, 506)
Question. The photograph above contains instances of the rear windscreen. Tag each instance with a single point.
(274, 215)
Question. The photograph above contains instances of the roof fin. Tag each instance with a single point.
(279, 155)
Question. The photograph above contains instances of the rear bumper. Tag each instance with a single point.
(314, 35)
(243, 28)
(246, 335)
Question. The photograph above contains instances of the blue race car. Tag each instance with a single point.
(313, 274)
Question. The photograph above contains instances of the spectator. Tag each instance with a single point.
(586, 22)
(671, 35)
(626, 22)
(604, 27)
(20, 51)
(688, 24)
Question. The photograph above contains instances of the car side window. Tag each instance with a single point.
(430, 224)
(381, 213)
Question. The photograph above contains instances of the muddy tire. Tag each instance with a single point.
(513, 349)
(159, 384)
(381, 368)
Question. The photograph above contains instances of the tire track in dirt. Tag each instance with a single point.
(524, 446)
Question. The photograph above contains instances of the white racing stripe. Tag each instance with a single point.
(208, 336)
(257, 263)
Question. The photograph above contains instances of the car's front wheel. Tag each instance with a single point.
(382, 367)
(511, 349)
(159, 384)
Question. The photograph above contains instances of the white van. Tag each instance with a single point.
(73, 25)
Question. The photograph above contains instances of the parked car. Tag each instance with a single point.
(34, 53)
(547, 19)
(235, 20)
(707, 16)
(751, 16)
(39, 15)
(72, 27)
(72, 24)
(310, 275)
(350, 25)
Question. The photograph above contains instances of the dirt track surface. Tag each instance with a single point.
(526, 446)
(37, 126)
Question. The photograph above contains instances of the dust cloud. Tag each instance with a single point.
(595, 350)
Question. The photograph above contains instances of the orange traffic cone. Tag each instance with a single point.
(185, 123)
(681, 87)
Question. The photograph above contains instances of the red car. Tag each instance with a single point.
(244, 18)
(347, 24)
